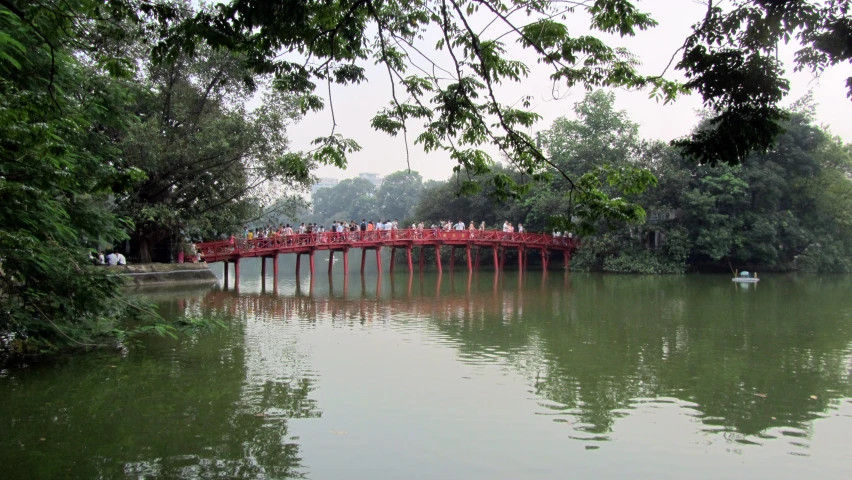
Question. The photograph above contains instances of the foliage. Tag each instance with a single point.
(450, 88)
(731, 59)
(351, 199)
(210, 165)
(785, 209)
(58, 170)
(359, 199)
(398, 194)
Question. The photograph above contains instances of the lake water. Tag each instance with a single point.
(457, 376)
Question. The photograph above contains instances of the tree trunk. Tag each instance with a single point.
(143, 246)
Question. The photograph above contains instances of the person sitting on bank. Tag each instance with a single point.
(115, 258)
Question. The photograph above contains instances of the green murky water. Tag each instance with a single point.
(458, 376)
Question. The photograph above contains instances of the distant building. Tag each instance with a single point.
(374, 178)
(323, 183)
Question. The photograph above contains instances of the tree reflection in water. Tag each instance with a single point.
(189, 408)
(597, 347)
(746, 364)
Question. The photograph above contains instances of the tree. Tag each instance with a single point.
(729, 59)
(601, 140)
(210, 165)
(783, 209)
(351, 199)
(398, 194)
(59, 167)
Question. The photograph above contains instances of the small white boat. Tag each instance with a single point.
(745, 277)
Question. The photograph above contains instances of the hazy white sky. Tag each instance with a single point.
(356, 105)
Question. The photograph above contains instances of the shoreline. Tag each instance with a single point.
(140, 275)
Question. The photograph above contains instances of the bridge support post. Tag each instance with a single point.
(521, 252)
(275, 274)
(345, 262)
(363, 259)
(311, 257)
(410, 266)
(496, 259)
(379, 259)
(298, 262)
(502, 258)
(565, 260)
(263, 269)
(330, 260)
(452, 257)
(226, 274)
(422, 258)
(469, 263)
(438, 257)
(393, 254)
(237, 274)
(544, 259)
(476, 263)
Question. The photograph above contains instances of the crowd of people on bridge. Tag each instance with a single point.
(347, 231)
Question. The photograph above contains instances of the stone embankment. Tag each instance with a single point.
(166, 273)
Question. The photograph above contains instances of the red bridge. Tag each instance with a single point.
(498, 242)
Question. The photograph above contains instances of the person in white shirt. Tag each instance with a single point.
(112, 259)
(520, 228)
(120, 259)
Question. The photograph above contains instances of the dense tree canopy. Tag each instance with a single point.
(209, 163)
(729, 60)
(784, 209)
(359, 199)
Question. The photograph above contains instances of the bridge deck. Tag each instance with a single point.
(233, 250)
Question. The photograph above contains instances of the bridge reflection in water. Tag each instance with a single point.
(376, 297)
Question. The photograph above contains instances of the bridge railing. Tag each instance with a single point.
(235, 246)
